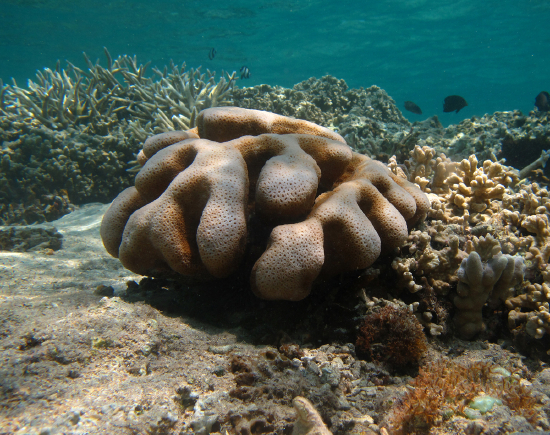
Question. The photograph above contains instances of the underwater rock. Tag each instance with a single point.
(22, 239)
(368, 119)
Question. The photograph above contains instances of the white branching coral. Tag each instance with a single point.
(169, 100)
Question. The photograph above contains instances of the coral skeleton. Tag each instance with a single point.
(309, 422)
(539, 163)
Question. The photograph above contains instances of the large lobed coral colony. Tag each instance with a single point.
(330, 209)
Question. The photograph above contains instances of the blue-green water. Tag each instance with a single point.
(495, 53)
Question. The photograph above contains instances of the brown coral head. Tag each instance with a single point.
(330, 210)
(223, 124)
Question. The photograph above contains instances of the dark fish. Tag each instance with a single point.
(212, 54)
(411, 107)
(542, 101)
(245, 72)
(454, 102)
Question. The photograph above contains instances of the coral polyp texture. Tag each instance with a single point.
(330, 210)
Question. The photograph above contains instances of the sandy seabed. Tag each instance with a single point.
(75, 361)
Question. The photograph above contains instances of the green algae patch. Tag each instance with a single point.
(484, 403)
(100, 343)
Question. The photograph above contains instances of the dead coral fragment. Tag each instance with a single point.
(309, 421)
(392, 335)
(540, 162)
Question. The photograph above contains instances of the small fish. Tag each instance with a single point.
(212, 54)
(542, 101)
(454, 102)
(412, 107)
(245, 72)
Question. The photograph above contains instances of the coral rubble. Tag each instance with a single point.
(22, 239)
(368, 119)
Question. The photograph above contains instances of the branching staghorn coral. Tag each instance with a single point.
(74, 133)
(169, 100)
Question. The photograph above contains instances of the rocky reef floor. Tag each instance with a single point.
(88, 347)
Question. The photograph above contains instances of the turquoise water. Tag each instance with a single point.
(493, 53)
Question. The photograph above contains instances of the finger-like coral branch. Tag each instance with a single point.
(72, 97)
